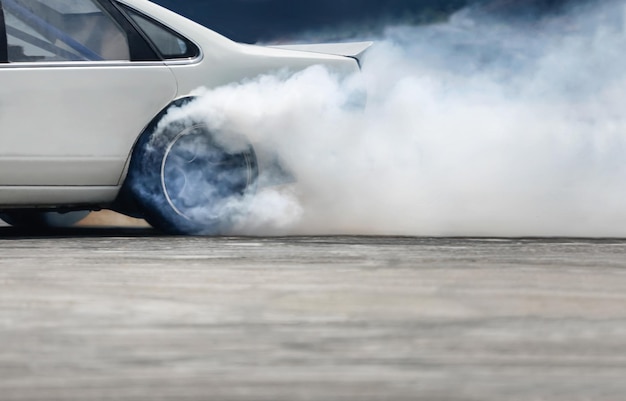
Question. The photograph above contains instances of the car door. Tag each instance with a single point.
(78, 84)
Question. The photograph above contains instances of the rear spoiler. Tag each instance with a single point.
(354, 50)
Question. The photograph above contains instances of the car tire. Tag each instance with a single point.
(33, 219)
(186, 182)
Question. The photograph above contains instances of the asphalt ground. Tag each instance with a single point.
(128, 314)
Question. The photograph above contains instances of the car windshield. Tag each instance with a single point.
(62, 30)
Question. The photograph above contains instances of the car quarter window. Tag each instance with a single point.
(62, 30)
(168, 43)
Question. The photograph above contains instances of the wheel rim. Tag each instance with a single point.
(202, 182)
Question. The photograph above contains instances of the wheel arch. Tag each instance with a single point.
(125, 203)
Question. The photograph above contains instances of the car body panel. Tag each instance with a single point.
(247, 62)
(67, 129)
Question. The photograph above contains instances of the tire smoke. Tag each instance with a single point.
(473, 127)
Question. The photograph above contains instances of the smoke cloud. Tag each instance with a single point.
(473, 127)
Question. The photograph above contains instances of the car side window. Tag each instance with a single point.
(3, 42)
(62, 30)
(169, 44)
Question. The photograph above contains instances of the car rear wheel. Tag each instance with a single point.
(186, 182)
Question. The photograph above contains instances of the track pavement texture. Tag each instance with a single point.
(130, 315)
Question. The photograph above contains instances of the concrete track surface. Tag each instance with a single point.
(130, 315)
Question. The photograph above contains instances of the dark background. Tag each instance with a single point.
(271, 20)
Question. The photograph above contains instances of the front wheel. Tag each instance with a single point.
(187, 182)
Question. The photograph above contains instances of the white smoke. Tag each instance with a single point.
(473, 127)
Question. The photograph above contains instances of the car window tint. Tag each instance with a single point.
(3, 42)
(62, 30)
(168, 43)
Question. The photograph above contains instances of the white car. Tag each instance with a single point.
(84, 83)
